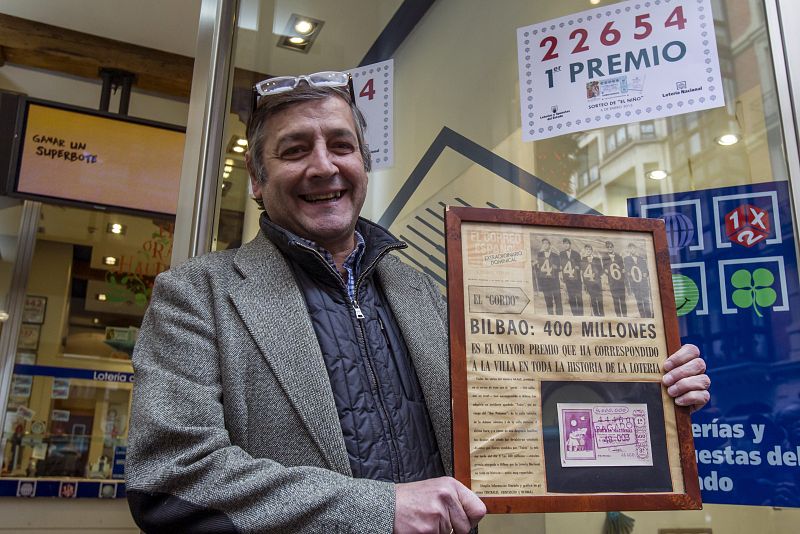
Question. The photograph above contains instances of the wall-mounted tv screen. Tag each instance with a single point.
(72, 155)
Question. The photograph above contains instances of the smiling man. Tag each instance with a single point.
(311, 141)
(300, 383)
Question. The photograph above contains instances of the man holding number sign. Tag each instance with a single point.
(571, 276)
(615, 271)
(639, 280)
(546, 270)
(301, 383)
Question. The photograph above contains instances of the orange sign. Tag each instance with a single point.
(98, 160)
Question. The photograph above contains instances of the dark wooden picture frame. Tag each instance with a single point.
(689, 498)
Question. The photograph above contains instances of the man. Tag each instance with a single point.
(300, 383)
(615, 270)
(638, 277)
(591, 271)
(571, 275)
(546, 269)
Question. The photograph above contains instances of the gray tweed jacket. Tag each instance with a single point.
(233, 410)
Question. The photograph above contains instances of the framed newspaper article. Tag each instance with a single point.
(559, 325)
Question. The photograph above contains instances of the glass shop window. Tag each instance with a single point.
(647, 129)
(90, 282)
(588, 170)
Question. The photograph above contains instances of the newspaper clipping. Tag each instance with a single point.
(571, 311)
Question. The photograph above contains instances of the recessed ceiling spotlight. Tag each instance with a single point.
(237, 144)
(225, 174)
(3, 316)
(228, 161)
(300, 33)
(227, 168)
(657, 174)
(102, 297)
(116, 228)
(727, 139)
(594, 2)
(109, 260)
(95, 321)
(304, 27)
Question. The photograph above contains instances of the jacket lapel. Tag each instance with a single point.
(423, 333)
(272, 308)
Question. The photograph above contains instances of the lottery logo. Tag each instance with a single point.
(747, 225)
(108, 491)
(753, 289)
(680, 231)
(687, 295)
(26, 488)
(68, 490)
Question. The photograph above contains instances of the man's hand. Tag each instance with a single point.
(685, 378)
(439, 505)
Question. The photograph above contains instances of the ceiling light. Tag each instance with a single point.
(229, 161)
(109, 260)
(303, 27)
(657, 174)
(300, 33)
(102, 297)
(728, 139)
(227, 168)
(594, 2)
(115, 228)
(3, 316)
(241, 141)
(96, 320)
(225, 174)
(238, 149)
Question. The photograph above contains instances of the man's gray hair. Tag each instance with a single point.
(270, 105)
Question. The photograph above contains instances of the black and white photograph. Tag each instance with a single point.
(591, 276)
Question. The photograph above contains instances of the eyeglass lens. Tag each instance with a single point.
(287, 83)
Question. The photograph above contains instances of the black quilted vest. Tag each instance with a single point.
(385, 423)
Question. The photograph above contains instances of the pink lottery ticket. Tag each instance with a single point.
(598, 435)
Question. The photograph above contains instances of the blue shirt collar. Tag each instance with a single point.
(351, 265)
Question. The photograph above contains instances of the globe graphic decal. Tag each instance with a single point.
(686, 294)
(680, 231)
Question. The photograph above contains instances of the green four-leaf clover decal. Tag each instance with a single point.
(753, 290)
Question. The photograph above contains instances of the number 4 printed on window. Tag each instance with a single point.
(368, 91)
(374, 88)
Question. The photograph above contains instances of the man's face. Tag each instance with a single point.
(610, 248)
(545, 245)
(316, 183)
(567, 246)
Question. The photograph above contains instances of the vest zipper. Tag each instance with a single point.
(362, 337)
(371, 366)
